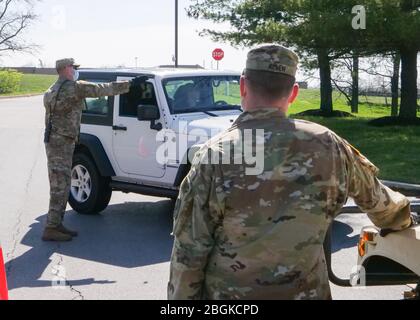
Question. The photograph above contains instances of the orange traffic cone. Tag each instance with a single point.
(4, 293)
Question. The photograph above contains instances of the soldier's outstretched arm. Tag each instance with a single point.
(95, 90)
(196, 219)
(386, 208)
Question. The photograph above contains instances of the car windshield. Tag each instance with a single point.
(202, 94)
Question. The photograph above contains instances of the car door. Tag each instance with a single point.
(134, 142)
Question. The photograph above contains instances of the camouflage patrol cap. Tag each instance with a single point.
(60, 64)
(273, 58)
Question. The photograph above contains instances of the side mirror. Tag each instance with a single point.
(149, 113)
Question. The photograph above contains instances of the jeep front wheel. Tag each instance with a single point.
(90, 193)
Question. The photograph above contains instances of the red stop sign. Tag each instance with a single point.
(218, 54)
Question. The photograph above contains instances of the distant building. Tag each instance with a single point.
(303, 84)
(34, 70)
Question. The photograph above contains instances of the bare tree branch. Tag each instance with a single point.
(380, 66)
(6, 6)
(341, 90)
(16, 16)
(341, 77)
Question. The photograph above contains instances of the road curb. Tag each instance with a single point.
(21, 96)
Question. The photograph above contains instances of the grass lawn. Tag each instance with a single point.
(33, 84)
(395, 150)
(370, 107)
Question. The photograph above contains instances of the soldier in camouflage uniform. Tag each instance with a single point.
(240, 236)
(64, 103)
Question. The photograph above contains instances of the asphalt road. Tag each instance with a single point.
(123, 253)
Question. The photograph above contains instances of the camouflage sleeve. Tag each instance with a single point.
(195, 222)
(387, 209)
(95, 90)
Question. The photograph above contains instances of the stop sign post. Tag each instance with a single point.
(218, 55)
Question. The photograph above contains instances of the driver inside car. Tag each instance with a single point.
(186, 97)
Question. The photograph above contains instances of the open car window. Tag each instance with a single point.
(130, 101)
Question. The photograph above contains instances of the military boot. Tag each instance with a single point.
(64, 230)
(54, 234)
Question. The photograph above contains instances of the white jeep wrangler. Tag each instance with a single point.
(123, 137)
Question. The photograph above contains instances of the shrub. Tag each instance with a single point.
(9, 81)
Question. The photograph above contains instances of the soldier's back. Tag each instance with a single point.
(271, 242)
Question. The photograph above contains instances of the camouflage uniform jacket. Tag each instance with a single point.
(261, 237)
(67, 115)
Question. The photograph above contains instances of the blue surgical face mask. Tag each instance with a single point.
(75, 75)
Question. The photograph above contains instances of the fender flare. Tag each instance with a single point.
(97, 151)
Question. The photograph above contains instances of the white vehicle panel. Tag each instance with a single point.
(398, 247)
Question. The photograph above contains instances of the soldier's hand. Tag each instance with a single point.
(385, 232)
(137, 82)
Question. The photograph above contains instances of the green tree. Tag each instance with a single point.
(323, 31)
(320, 30)
(394, 26)
(9, 81)
(388, 67)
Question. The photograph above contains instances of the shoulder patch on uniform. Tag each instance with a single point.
(355, 150)
(363, 160)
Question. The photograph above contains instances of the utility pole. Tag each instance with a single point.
(176, 34)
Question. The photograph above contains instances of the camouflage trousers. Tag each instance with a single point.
(60, 151)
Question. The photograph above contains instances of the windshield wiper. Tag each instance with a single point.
(239, 108)
(198, 110)
(229, 107)
(210, 114)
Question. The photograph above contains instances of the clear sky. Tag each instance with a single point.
(112, 33)
(109, 33)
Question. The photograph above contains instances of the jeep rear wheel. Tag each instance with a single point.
(90, 193)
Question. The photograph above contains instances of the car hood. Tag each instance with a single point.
(206, 126)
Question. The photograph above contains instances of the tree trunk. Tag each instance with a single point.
(326, 85)
(355, 85)
(395, 83)
(408, 107)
